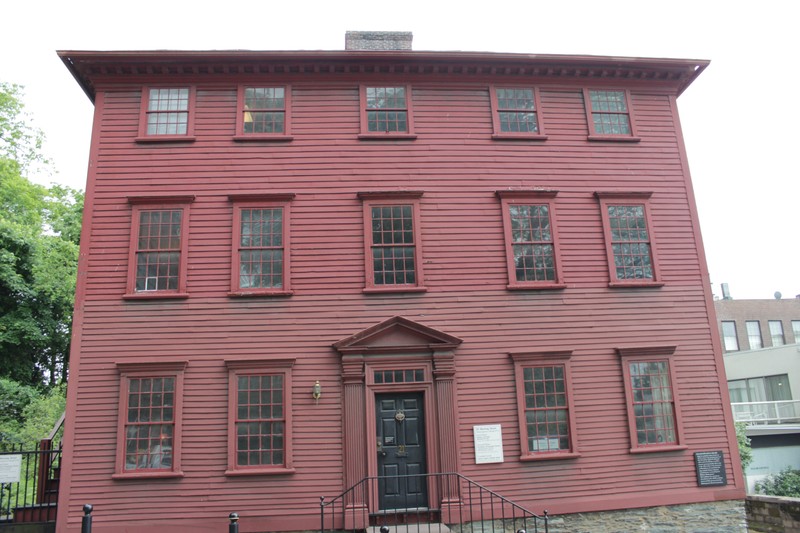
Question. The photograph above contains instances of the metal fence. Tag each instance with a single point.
(29, 483)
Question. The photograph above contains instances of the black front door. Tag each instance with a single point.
(401, 451)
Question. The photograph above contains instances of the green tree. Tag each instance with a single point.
(39, 236)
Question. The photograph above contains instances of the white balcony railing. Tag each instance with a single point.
(785, 412)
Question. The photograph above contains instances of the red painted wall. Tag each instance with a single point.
(459, 167)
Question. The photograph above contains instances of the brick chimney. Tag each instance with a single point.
(378, 40)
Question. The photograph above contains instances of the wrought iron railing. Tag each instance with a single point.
(755, 413)
(29, 483)
(455, 504)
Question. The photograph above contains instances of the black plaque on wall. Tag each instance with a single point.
(710, 467)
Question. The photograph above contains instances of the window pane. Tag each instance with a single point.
(386, 109)
(167, 111)
(776, 332)
(630, 242)
(261, 255)
(754, 334)
(729, 336)
(259, 426)
(609, 113)
(149, 427)
(546, 412)
(653, 407)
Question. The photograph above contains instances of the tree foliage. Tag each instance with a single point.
(786, 483)
(39, 237)
(745, 451)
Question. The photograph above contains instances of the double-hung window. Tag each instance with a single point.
(264, 113)
(158, 247)
(260, 262)
(531, 239)
(729, 338)
(393, 253)
(796, 330)
(167, 114)
(776, 333)
(630, 245)
(516, 113)
(386, 111)
(547, 424)
(259, 416)
(149, 431)
(609, 115)
(754, 334)
(653, 408)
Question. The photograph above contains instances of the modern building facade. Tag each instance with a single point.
(303, 269)
(762, 362)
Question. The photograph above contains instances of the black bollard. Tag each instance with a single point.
(234, 525)
(86, 521)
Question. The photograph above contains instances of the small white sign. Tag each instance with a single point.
(488, 444)
(10, 468)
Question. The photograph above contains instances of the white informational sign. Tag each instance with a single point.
(488, 444)
(10, 468)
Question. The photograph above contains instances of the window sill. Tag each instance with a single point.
(519, 137)
(657, 449)
(166, 139)
(615, 138)
(256, 294)
(263, 138)
(387, 136)
(394, 288)
(260, 472)
(148, 475)
(636, 284)
(156, 295)
(549, 456)
(535, 287)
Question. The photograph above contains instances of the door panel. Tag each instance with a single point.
(401, 451)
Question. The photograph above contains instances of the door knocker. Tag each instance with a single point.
(400, 415)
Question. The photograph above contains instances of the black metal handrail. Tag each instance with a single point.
(455, 503)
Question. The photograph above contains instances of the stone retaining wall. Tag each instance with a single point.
(711, 517)
(773, 514)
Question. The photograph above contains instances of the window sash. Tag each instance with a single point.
(261, 248)
(609, 112)
(264, 110)
(150, 423)
(260, 420)
(259, 416)
(652, 403)
(386, 110)
(796, 330)
(630, 242)
(393, 244)
(546, 409)
(168, 111)
(158, 250)
(776, 333)
(516, 110)
(532, 243)
(754, 339)
(729, 337)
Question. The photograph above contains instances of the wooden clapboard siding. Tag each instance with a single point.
(454, 160)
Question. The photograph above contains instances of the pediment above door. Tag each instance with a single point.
(397, 335)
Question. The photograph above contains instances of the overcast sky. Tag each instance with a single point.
(740, 118)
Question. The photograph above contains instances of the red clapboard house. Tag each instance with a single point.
(303, 269)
